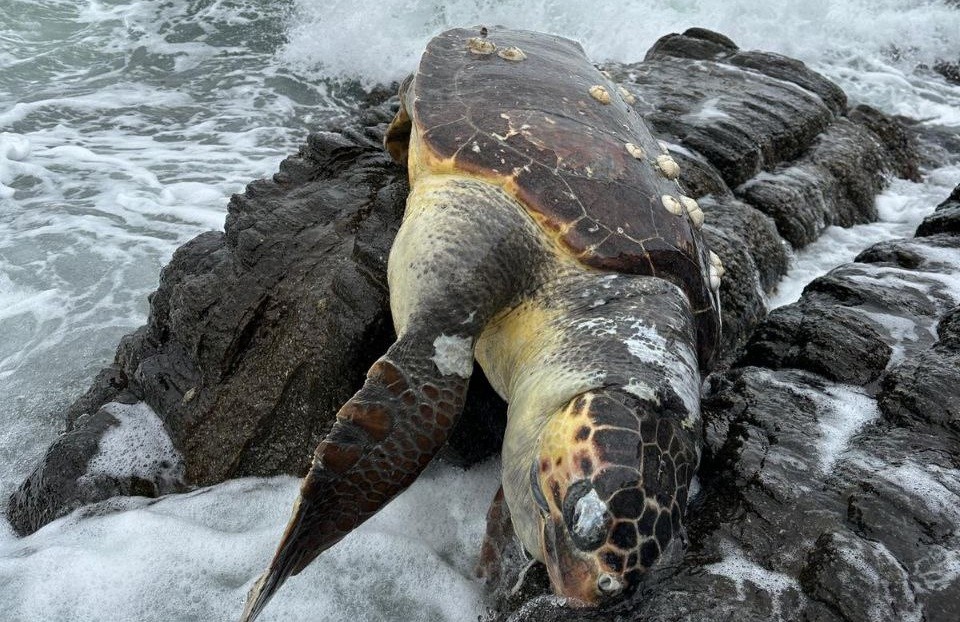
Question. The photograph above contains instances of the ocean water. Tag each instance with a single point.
(125, 125)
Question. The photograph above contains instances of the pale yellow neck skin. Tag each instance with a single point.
(523, 356)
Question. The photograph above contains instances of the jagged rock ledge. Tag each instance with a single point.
(257, 335)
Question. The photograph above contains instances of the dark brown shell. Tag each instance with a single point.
(534, 124)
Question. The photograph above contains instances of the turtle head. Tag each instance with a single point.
(610, 482)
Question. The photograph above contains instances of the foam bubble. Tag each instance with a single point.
(841, 412)
(846, 411)
(741, 570)
(194, 556)
(138, 446)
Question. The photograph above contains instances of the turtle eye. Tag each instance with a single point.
(537, 491)
(586, 515)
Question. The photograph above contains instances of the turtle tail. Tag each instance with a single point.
(384, 436)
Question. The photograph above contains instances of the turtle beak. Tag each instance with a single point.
(573, 574)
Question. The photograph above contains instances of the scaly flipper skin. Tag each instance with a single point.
(465, 251)
(498, 537)
(382, 439)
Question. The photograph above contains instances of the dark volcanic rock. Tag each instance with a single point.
(949, 70)
(806, 336)
(256, 335)
(834, 572)
(65, 480)
(915, 390)
(776, 132)
(822, 188)
(946, 218)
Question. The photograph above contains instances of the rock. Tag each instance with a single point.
(54, 488)
(822, 188)
(859, 579)
(805, 336)
(949, 70)
(937, 145)
(80, 468)
(258, 334)
(946, 218)
(774, 131)
(919, 388)
(901, 146)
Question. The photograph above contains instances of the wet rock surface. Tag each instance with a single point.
(258, 334)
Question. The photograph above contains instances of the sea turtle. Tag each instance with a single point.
(546, 235)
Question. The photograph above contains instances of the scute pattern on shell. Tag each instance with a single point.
(562, 153)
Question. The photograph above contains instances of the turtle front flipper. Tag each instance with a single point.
(465, 252)
(382, 439)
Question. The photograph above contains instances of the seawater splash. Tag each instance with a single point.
(901, 208)
(191, 557)
(124, 129)
(871, 48)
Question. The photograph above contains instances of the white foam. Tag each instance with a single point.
(935, 488)
(901, 333)
(901, 207)
(847, 411)
(939, 567)
(841, 412)
(139, 446)
(867, 568)
(193, 557)
(740, 570)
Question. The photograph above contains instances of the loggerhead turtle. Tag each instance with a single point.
(546, 235)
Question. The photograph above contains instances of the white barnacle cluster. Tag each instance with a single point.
(716, 271)
(453, 355)
(600, 93)
(672, 204)
(635, 150)
(481, 46)
(667, 166)
(627, 96)
(677, 206)
(512, 53)
(693, 210)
